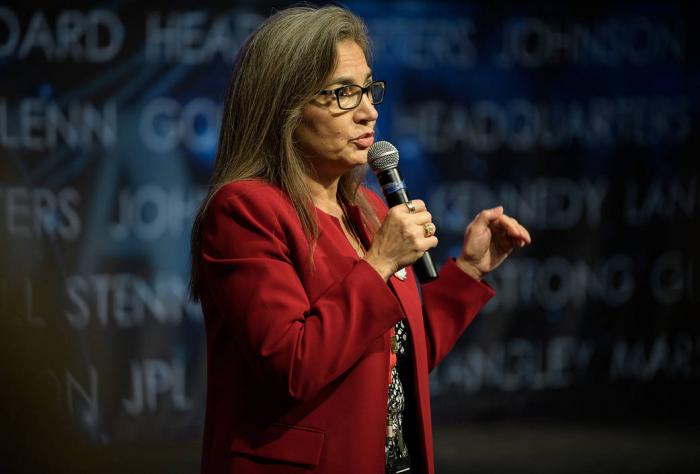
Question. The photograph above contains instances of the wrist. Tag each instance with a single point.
(385, 270)
(469, 268)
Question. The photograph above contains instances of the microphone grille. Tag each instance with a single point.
(382, 156)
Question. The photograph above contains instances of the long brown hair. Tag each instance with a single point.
(279, 69)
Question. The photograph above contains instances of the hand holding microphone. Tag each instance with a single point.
(407, 232)
(403, 238)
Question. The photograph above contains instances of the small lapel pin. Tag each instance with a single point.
(401, 274)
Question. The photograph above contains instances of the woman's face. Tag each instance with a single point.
(335, 140)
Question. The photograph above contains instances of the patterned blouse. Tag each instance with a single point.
(395, 446)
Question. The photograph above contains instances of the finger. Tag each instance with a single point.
(419, 205)
(413, 206)
(420, 218)
(528, 239)
(500, 227)
(429, 229)
(512, 228)
(419, 232)
(522, 231)
(410, 207)
(506, 238)
(485, 217)
(430, 242)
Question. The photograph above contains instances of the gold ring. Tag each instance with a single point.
(411, 207)
(428, 229)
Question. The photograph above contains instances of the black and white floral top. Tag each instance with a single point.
(395, 446)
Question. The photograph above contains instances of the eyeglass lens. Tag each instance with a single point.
(350, 96)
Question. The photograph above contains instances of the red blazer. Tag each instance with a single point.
(298, 345)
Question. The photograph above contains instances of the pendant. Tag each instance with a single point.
(401, 274)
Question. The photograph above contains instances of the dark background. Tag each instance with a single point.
(581, 120)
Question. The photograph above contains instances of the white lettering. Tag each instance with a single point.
(151, 212)
(523, 126)
(424, 43)
(556, 283)
(153, 379)
(194, 38)
(96, 36)
(125, 301)
(554, 203)
(671, 278)
(36, 125)
(30, 213)
(677, 199)
(165, 124)
(513, 365)
(533, 43)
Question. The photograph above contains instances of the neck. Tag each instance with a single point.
(324, 193)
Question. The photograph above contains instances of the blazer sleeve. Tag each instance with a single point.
(297, 345)
(450, 304)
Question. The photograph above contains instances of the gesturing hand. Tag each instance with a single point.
(488, 240)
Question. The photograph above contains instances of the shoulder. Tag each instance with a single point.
(252, 196)
(254, 192)
(254, 215)
(250, 200)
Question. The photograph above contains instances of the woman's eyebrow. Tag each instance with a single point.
(346, 80)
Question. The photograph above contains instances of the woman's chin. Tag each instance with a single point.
(361, 157)
(358, 164)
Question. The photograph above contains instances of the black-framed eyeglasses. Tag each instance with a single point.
(350, 96)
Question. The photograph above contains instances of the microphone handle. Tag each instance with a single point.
(395, 194)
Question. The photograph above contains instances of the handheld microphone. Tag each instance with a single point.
(383, 158)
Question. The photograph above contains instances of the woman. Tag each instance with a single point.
(318, 347)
